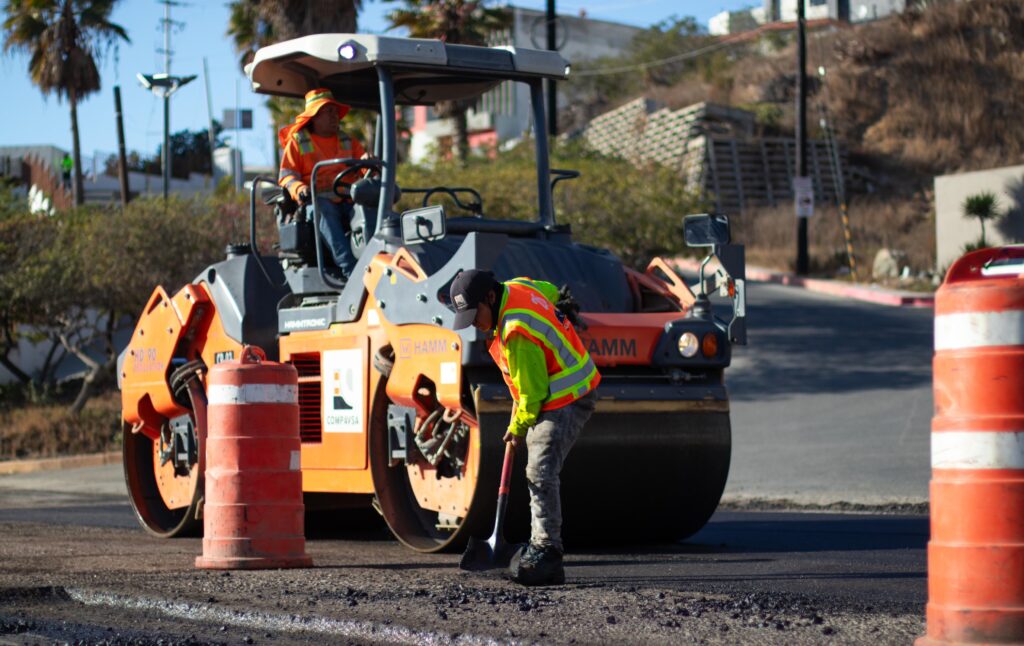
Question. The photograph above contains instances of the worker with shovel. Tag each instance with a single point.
(552, 380)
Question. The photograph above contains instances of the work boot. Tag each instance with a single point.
(538, 565)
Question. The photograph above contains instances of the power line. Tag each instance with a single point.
(694, 53)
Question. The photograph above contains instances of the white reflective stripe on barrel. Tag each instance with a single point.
(979, 329)
(253, 394)
(978, 450)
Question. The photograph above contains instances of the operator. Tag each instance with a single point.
(552, 380)
(315, 136)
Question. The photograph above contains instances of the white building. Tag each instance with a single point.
(734, 22)
(504, 113)
(784, 11)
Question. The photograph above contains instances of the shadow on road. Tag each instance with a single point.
(852, 347)
(737, 533)
(813, 533)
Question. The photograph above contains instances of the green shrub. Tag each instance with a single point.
(634, 212)
(77, 277)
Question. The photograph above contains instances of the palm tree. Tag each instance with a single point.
(982, 206)
(258, 23)
(467, 22)
(62, 38)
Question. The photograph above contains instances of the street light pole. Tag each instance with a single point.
(167, 144)
(164, 85)
(801, 140)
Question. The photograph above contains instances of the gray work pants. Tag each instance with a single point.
(547, 444)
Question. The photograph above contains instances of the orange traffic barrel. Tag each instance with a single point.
(976, 551)
(253, 516)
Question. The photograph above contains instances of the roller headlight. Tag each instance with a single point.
(688, 344)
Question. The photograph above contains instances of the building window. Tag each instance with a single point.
(816, 3)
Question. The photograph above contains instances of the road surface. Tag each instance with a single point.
(831, 400)
(831, 403)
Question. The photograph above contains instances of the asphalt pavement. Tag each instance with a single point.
(831, 403)
(831, 400)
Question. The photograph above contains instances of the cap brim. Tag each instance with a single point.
(464, 319)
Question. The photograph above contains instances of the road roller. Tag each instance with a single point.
(398, 412)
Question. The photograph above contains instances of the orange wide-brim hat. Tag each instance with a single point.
(315, 99)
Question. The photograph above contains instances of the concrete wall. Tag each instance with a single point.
(584, 40)
(581, 39)
(953, 230)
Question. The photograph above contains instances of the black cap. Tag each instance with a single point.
(468, 290)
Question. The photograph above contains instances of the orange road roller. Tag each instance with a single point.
(398, 411)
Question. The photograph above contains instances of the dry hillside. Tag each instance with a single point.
(928, 92)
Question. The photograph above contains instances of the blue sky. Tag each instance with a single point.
(28, 118)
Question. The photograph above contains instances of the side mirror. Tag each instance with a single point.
(426, 224)
(706, 230)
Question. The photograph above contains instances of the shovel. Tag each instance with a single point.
(494, 553)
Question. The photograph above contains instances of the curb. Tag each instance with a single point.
(53, 464)
(868, 293)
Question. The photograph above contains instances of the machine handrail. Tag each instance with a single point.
(259, 179)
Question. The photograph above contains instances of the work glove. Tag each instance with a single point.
(568, 306)
(303, 195)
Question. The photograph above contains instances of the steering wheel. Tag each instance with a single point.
(341, 187)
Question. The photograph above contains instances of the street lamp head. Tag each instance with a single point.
(165, 84)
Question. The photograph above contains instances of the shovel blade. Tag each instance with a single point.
(491, 554)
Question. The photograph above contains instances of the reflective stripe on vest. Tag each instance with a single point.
(286, 173)
(527, 311)
(305, 142)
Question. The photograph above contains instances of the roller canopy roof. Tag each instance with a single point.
(424, 71)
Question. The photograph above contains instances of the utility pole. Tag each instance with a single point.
(164, 85)
(209, 116)
(122, 159)
(166, 162)
(802, 187)
(552, 90)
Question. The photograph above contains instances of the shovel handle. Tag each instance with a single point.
(506, 469)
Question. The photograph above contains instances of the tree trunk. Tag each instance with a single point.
(461, 136)
(18, 373)
(100, 374)
(982, 220)
(98, 377)
(46, 373)
(76, 154)
(9, 345)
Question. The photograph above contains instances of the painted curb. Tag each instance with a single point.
(870, 294)
(53, 464)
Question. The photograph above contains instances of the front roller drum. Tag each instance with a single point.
(164, 477)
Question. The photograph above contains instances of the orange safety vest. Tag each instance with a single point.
(526, 311)
(301, 154)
